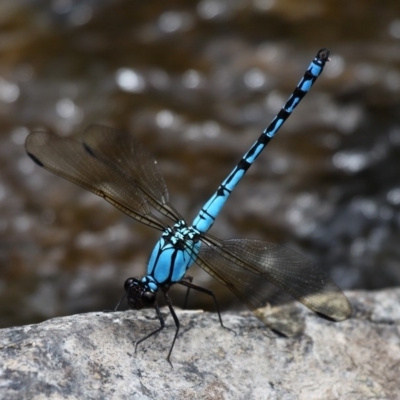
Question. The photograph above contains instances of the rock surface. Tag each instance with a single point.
(91, 356)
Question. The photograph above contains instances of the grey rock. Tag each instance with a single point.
(92, 356)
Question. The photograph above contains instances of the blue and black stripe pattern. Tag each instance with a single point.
(211, 209)
(118, 168)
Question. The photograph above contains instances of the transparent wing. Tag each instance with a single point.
(74, 161)
(132, 159)
(254, 270)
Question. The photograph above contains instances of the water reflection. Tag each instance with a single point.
(394, 28)
(130, 80)
(9, 91)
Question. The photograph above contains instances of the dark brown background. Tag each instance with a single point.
(197, 81)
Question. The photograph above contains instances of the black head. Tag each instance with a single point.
(138, 294)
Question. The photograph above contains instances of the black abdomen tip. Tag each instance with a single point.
(323, 54)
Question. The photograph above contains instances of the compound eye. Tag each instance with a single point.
(129, 283)
(148, 298)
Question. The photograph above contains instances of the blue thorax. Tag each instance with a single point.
(172, 255)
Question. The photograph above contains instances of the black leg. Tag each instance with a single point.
(187, 278)
(162, 323)
(117, 306)
(120, 301)
(177, 324)
(190, 285)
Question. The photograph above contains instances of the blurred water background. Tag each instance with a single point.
(197, 81)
